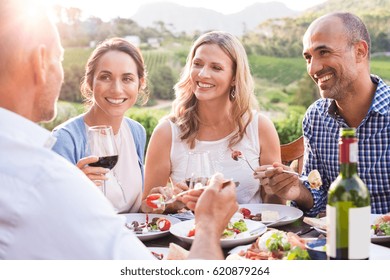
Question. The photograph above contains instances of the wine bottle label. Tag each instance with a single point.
(348, 151)
(348, 231)
(353, 152)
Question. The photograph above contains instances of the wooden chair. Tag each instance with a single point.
(292, 154)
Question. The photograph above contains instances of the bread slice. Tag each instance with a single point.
(176, 252)
(316, 222)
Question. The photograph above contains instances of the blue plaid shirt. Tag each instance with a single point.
(321, 126)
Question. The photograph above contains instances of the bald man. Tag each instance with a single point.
(336, 48)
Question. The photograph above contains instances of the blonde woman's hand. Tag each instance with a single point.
(167, 192)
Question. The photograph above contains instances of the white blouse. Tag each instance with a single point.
(249, 189)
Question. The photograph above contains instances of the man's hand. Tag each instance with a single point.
(284, 185)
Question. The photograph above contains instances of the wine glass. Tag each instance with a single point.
(101, 143)
(199, 168)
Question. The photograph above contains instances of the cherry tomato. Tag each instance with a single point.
(163, 224)
(154, 196)
(236, 155)
(191, 233)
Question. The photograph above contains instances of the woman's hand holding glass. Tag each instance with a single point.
(101, 143)
(95, 174)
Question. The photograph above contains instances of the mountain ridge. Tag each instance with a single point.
(192, 19)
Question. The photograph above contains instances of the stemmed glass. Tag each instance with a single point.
(199, 168)
(101, 143)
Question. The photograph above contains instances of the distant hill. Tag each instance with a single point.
(283, 37)
(178, 18)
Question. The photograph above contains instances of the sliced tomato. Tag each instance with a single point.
(163, 224)
(155, 196)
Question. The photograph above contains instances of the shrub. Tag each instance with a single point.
(290, 128)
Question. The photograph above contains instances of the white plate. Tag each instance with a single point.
(320, 230)
(180, 230)
(292, 214)
(374, 238)
(160, 250)
(141, 218)
(377, 252)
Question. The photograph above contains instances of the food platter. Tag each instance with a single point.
(377, 252)
(374, 238)
(181, 230)
(141, 218)
(291, 214)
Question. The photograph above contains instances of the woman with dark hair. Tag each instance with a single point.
(115, 76)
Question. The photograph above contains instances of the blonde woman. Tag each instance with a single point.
(215, 110)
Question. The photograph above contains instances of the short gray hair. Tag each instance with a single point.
(355, 28)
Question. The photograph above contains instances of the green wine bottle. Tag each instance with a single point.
(348, 209)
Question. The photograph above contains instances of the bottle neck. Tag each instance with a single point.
(348, 155)
(347, 170)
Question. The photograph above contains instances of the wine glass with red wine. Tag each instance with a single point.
(101, 143)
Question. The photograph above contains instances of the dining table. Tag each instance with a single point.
(299, 227)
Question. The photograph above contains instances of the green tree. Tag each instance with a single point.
(306, 92)
(162, 81)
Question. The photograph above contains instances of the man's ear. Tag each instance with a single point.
(361, 51)
(40, 64)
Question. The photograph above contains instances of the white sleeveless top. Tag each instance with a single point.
(249, 189)
(124, 184)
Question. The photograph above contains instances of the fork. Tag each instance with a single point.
(160, 203)
(300, 177)
(242, 157)
(254, 231)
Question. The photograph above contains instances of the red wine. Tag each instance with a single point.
(106, 162)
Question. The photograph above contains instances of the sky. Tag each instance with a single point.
(126, 8)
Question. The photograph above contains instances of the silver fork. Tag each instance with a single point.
(160, 203)
(242, 157)
(300, 177)
(254, 231)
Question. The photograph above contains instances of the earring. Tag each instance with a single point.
(232, 93)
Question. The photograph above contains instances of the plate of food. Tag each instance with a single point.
(238, 232)
(272, 245)
(380, 226)
(269, 213)
(149, 226)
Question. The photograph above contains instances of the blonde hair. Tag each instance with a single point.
(184, 108)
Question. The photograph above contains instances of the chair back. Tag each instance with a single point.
(292, 154)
